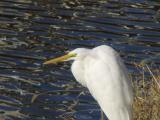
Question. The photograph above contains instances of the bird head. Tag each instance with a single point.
(75, 54)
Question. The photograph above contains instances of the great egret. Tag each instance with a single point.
(103, 72)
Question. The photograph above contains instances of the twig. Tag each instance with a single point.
(153, 76)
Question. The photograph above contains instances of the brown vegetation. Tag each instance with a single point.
(147, 95)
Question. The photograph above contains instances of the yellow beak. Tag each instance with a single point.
(60, 59)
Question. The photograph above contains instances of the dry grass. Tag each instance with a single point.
(147, 95)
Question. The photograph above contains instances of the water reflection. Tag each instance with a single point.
(32, 31)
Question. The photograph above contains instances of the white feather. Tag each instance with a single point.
(103, 72)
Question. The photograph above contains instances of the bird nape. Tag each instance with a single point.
(103, 72)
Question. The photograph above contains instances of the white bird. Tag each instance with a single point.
(103, 72)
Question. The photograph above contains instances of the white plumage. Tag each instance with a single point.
(103, 72)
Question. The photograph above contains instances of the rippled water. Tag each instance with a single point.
(32, 31)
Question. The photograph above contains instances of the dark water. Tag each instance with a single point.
(32, 31)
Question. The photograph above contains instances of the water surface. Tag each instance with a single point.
(32, 31)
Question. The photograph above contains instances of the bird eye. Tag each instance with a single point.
(72, 54)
